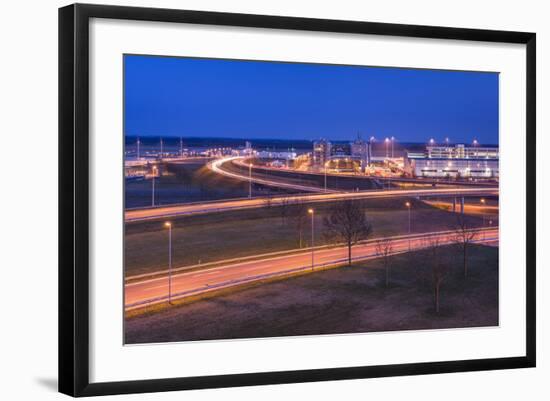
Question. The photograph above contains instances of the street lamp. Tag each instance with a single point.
(312, 212)
(153, 186)
(169, 225)
(482, 201)
(387, 141)
(408, 204)
(249, 180)
(326, 176)
(392, 140)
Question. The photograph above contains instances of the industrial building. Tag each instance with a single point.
(458, 161)
(357, 153)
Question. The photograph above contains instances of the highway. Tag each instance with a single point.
(403, 180)
(217, 167)
(164, 212)
(151, 291)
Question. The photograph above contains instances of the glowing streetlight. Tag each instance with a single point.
(312, 212)
(169, 225)
(249, 180)
(408, 205)
(432, 142)
(153, 186)
(326, 176)
(138, 143)
(161, 147)
(387, 141)
(482, 201)
(392, 141)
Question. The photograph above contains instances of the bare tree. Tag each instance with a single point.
(384, 248)
(300, 219)
(439, 268)
(347, 222)
(268, 201)
(463, 237)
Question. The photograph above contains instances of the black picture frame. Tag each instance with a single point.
(74, 190)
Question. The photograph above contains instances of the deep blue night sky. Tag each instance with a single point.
(243, 99)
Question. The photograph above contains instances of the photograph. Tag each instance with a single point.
(267, 199)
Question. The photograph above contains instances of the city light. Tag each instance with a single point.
(169, 226)
(311, 211)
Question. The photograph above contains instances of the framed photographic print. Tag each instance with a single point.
(249, 199)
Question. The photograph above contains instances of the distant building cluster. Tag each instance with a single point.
(325, 151)
(265, 154)
(458, 161)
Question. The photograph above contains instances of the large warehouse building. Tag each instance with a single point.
(458, 161)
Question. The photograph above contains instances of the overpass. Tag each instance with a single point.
(164, 212)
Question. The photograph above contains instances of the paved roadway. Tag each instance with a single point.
(217, 167)
(421, 181)
(155, 290)
(164, 212)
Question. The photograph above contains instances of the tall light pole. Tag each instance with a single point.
(326, 176)
(482, 201)
(138, 143)
(408, 204)
(161, 147)
(181, 147)
(249, 180)
(392, 140)
(153, 186)
(312, 212)
(169, 225)
(371, 140)
(387, 141)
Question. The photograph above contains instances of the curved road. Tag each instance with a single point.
(152, 291)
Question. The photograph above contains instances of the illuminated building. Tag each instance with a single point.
(458, 161)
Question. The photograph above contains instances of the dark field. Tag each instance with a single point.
(190, 182)
(343, 300)
(208, 238)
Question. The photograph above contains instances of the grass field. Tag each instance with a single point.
(202, 239)
(343, 300)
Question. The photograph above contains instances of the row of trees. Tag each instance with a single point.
(347, 223)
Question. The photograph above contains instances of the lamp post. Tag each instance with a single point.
(326, 176)
(169, 225)
(408, 204)
(371, 140)
(161, 147)
(249, 180)
(138, 143)
(392, 140)
(153, 186)
(312, 212)
(387, 141)
(482, 201)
